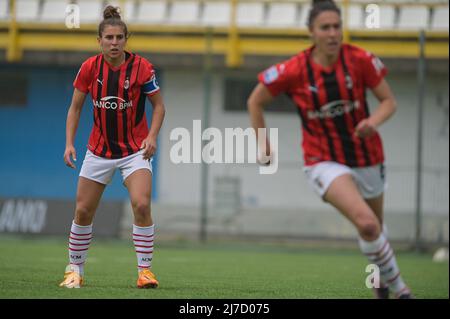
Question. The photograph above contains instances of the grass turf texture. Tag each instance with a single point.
(33, 268)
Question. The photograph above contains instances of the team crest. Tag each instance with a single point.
(126, 84)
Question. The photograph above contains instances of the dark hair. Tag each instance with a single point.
(319, 6)
(111, 16)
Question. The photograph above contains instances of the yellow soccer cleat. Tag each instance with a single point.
(147, 279)
(72, 279)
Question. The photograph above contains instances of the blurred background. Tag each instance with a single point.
(207, 54)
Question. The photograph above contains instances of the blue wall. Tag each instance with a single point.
(32, 139)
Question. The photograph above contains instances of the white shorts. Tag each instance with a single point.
(370, 180)
(102, 170)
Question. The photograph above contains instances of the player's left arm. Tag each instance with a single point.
(149, 143)
(383, 112)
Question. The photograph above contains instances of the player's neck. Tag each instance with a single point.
(324, 59)
(115, 62)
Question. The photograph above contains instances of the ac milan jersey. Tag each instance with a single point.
(118, 97)
(331, 102)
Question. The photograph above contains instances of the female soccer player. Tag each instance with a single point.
(119, 83)
(343, 153)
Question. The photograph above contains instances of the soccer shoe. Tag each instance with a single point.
(72, 278)
(405, 293)
(381, 293)
(147, 279)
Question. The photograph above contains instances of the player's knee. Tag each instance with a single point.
(141, 207)
(83, 215)
(369, 228)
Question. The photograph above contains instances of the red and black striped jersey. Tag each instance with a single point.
(331, 102)
(118, 97)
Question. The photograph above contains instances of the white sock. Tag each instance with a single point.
(79, 240)
(379, 252)
(385, 233)
(143, 244)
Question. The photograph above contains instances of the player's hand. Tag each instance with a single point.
(68, 153)
(365, 128)
(266, 159)
(149, 147)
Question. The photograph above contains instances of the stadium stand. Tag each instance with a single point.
(3, 10)
(27, 10)
(53, 11)
(153, 12)
(387, 17)
(355, 17)
(184, 12)
(282, 15)
(304, 11)
(250, 14)
(216, 13)
(90, 10)
(281, 21)
(402, 15)
(440, 19)
(413, 17)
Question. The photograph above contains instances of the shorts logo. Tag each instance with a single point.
(270, 75)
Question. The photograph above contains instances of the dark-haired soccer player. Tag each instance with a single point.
(343, 152)
(119, 83)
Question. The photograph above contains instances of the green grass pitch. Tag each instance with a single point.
(33, 267)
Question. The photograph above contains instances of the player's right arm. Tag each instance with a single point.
(259, 98)
(73, 118)
(271, 82)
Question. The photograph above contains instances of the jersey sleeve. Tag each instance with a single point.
(84, 77)
(147, 79)
(373, 70)
(279, 77)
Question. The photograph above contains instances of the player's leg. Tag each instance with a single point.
(344, 194)
(139, 185)
(376, 204)
(89, 193)
(388, 257)
(95, 174)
